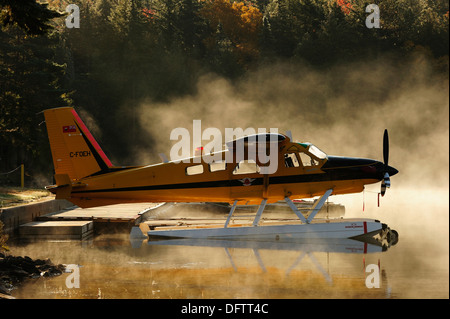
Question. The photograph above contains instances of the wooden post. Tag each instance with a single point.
(22, 175)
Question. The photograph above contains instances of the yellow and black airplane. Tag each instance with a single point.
(86, 177)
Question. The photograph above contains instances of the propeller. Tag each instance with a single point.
(386, 182)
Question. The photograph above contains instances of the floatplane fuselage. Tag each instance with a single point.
(86, 177)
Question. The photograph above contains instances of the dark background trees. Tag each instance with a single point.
(129, 51)
(31, 77)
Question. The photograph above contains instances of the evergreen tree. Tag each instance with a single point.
(31, 16)
(31, 80)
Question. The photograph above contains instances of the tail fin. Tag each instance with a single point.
(74, 150)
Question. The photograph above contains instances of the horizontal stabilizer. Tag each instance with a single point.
(63, 187)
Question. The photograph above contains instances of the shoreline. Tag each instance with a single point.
(15, 270)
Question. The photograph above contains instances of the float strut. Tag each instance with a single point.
(295, 209)
(318, 205)
(259, 212)
(315, 209)
(230, 214)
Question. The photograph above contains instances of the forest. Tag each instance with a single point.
(130, 53)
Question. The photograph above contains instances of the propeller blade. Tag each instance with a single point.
(383, 188)
(386, 147)
(386, 183)
(387, 180)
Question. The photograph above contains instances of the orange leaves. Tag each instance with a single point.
(238, 22)
(250, 16)
(345, 5)
(148, 13)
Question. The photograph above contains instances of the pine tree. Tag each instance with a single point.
(33, 17)
(31, 80)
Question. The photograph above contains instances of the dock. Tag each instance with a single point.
(57, 230)
(74, 223)
(65, 221)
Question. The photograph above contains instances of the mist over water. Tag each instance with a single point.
(343, 110)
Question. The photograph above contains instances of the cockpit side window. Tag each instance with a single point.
(308, 160)
(290, 160)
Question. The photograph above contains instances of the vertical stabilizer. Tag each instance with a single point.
(74, 150)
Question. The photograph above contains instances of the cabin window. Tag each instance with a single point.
(308, 160)
(246, 167)
(194, 170)
(290, 160)
(217, 166)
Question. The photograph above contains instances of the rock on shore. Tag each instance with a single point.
(16, 269)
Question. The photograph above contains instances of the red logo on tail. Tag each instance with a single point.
(69, 129)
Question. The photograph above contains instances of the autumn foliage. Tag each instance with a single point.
(233, 24)
(345, 5)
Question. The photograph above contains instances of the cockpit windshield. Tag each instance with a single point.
(314, 150)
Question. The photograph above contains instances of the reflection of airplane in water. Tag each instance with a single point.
(308, 262)
(362, 245)
(191, 269)
(337, 245)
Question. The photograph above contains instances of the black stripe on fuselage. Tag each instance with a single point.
(351, 173)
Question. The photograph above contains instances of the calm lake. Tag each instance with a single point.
(110, 266)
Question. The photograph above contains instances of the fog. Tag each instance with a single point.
(343, 110)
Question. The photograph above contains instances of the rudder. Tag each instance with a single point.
(74, 150)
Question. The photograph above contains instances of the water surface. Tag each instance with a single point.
(110, 266)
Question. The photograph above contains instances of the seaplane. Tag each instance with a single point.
(86, 177)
